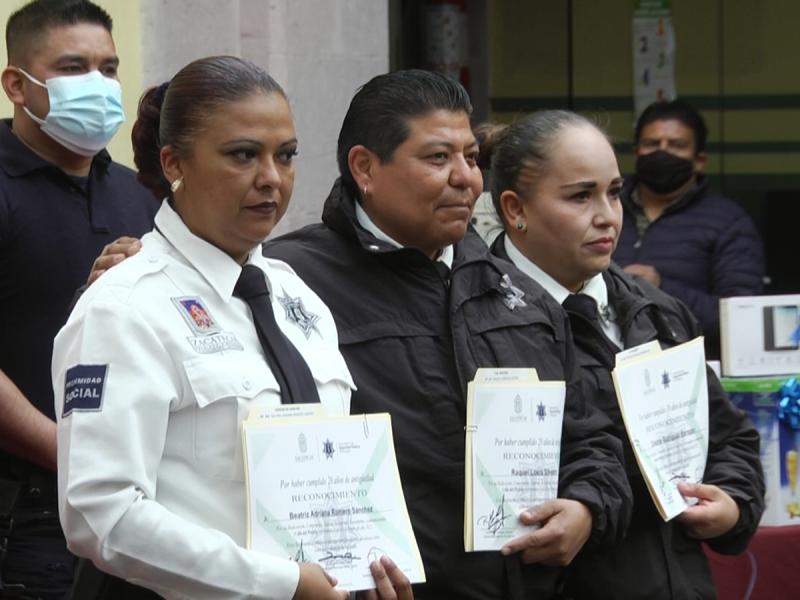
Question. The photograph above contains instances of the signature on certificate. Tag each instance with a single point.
(679, 476)
(300, 555)
(331, 560)
(495, 520)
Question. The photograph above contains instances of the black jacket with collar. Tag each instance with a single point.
(413, 340)
(657, 560)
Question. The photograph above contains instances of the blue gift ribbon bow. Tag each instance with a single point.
(789, 404)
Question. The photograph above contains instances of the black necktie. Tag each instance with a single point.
(287, 364)
(583, 305)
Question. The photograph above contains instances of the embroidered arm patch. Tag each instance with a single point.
(83, 388)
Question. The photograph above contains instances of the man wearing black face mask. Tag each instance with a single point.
(676, 233)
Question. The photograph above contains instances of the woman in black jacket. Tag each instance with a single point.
(556, 185)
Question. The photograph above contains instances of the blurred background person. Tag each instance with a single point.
(62, 199)
(679, 235)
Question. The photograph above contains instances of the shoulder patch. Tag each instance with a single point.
(83, 388)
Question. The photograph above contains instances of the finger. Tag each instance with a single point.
(124, 246)
(382, 581)
(699, 490)
(343, 594)
(533, 540)
(101, 265)
(331, 579)
(94, 275)
(540, 512)
(125, 240)
(109, 260)
(135, 246)
(367, 595)
(400, 583)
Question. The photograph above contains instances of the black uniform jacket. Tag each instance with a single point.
(413, 338)
(657, 560)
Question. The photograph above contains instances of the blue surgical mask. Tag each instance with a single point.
(85, 111)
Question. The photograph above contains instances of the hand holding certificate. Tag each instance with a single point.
(513, 451)
(663, 397)
(328, 491)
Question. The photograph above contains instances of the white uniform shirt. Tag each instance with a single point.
(595, 288)
(153, 374)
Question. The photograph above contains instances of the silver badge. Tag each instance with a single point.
(512, 295)
(605, 313)
(296, 313)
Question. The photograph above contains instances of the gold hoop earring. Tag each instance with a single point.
(176, 184)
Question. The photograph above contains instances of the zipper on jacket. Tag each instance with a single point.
(444, 272)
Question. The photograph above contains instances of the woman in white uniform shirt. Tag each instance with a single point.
(160, 363)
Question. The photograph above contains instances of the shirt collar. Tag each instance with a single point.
(445, 256)
(17, 159)
(594, 287)
(216, 267)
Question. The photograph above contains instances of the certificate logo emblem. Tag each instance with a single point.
(541, 411)
(665, 380)
(518, 404)
(302, 443)
(327, 448)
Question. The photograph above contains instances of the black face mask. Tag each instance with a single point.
(663, 172)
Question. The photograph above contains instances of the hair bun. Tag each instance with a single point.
(147, 144)
(487, 135)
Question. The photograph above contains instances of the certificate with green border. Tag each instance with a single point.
(663, 398)
(327, 490)
(513, 450)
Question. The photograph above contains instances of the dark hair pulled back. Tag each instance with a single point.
(379, 113)
(174, 113)
(519, 153)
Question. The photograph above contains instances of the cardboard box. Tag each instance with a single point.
(758, 397)
(760, 335)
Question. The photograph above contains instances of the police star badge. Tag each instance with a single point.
(665, 380)
(512, 295)
(296, 313)
(327, 448)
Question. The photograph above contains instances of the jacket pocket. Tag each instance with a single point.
(225, 390)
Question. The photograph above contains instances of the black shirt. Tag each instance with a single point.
(51, 231)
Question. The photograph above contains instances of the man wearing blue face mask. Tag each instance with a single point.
(62, 200)
(692, 243)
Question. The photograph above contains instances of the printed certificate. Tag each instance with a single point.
(663, 397)
(327, 490)
(513, 452)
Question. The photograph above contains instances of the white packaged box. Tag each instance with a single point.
(760, 335)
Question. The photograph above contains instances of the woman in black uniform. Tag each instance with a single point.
(556, 185)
